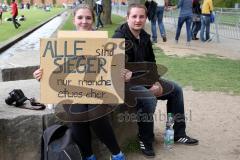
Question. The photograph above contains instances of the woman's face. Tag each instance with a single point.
(83, 20)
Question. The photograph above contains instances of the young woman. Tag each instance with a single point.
(83, 21)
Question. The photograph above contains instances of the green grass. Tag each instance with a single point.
(116, 20)
(205, 73)
(33, 16)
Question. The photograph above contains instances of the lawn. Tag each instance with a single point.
(203, 73)
(33, 16)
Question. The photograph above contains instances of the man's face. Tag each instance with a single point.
(136, 19)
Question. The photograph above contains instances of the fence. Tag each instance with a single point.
(227, 20)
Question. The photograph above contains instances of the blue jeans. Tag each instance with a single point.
(146, 108)
(159, 18)
(181, 20)
(99, 21)
(205, 25)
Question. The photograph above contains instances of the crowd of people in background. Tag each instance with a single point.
(196, 14)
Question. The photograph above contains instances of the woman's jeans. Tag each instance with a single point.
(159, 18)
(181, 20)
(205, 27)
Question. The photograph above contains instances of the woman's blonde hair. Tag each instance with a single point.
(84, 6)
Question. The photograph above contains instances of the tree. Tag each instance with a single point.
(90, 2)
(107, 10)
(8, 2)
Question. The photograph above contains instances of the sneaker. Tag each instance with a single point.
(186, 140)
(92, 157)
(119, 156)
(146, 148)
(164, 39)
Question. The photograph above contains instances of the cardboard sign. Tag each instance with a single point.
(82, 70)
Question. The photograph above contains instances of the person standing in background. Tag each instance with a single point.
(158, 17)
(15, 14)
(99, 10)
(185, 15)
(207, 9)
(1, 13)
(196, 25)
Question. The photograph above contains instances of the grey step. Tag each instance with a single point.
(19, 67)
(21, 129)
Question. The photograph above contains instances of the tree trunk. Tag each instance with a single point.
(90, 2)
(107, 10)
(136, 1)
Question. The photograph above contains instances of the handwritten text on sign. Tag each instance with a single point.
(85, 71)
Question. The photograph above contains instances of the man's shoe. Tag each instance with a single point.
(164, 39)
(119, 156)
(186, 140)
(92, 157)
(146, 148)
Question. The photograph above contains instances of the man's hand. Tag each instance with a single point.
(126, 75)
(156, 89)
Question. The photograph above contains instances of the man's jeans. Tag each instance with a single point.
(205, 25)
(146, 108)
(181, 20)
(159, 18)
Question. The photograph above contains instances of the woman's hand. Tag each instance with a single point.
(126, 75)
(156, 89)
(37, 74)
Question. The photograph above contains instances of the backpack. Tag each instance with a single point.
(57, 144)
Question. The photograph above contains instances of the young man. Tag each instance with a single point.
(140, 50)
(15, 14)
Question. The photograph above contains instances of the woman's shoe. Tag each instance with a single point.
(92, 157)
(119, 156)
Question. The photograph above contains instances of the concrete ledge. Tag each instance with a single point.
(19, 67)
(21, 129)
